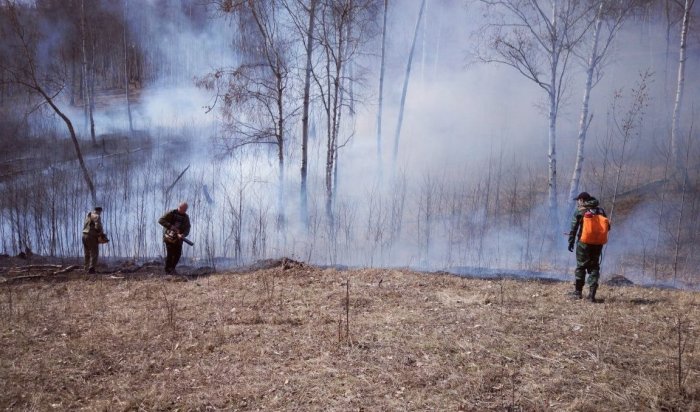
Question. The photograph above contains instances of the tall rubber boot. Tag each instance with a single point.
(578, 289)
(591, 293)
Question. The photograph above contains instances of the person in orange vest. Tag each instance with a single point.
(589, 241)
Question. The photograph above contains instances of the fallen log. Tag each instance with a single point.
(25, 277)
(22, 269)
(66, 269)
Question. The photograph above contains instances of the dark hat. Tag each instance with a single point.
(98, 208)
(583, 196)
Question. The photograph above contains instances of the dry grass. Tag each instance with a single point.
(276, 339)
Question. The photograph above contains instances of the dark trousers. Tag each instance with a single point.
(173, 253)
(588, 261)
(92, 251)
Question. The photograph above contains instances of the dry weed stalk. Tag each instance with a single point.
(169, 308)
(268, 283)
(10, 305)
(685, 344)
(345, 335)
(347, 309)
(513, 407)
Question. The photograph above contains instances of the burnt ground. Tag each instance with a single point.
(23, 268)
(284, 335)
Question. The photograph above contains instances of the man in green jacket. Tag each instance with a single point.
(92, 229)
(176, 224)
(587, 255)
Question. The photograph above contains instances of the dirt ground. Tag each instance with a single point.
(288, 336)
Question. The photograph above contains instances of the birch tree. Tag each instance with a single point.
(305, 115)
(680, 88)
(126, 66)
(397, 135)
(613, 18)
(304, 18)
(537, 38)
(382, 69)
(332, 37)
(256, 95)
(339, 45)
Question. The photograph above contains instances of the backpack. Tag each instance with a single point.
(595, 228)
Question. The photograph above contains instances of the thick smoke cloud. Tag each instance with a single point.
(465, 125)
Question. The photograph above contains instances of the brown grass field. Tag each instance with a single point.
(282, 338)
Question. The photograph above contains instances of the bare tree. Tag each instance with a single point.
(680, 87)
(87, 93)
(397, 135)
(256, 94)
(47, 82)
(684, 190)
(344, 27)
(627, 128)
(671, 21)
(613, 17)
(305, 27)
(305, 115)
(382, 69)
(537, 39)
(335, 18)
(126, 66)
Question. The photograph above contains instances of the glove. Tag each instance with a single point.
(571, 246)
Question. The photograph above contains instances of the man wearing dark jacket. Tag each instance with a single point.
(92, 229)
(177, 226)
(587, 255)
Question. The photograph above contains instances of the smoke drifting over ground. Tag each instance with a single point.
(469, 186)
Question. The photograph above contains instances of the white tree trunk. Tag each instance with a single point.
(675, 133)
(126, 67)
(405, 84)
(280, 154)
(382, 69)
(585, 120)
